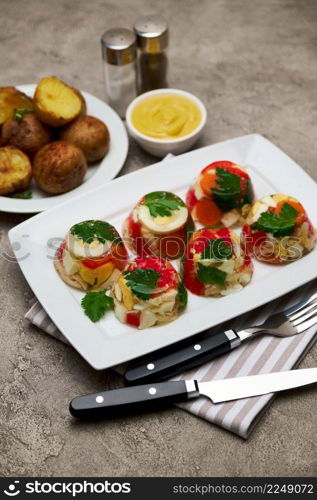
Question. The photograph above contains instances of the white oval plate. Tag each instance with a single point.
(97, 175)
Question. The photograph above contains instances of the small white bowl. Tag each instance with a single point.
(161, 147)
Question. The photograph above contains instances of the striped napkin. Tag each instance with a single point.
(263, 355)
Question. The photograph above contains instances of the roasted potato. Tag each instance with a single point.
(15, 170)
(26, 132)
(56, 103)
(59, 167)
(90, 134)
(11, 99)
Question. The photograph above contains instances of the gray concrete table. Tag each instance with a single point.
(253, 62)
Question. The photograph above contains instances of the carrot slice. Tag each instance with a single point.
(300, 218)
(207, 212)
(208, 181)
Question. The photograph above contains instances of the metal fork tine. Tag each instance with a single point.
(310, 314)
(307, 324)
(302, 311)
(298, 307)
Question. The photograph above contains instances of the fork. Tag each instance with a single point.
(290, 322)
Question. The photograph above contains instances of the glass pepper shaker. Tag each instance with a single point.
(152, 40)
(119, 64)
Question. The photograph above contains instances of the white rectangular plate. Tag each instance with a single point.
(109, 342)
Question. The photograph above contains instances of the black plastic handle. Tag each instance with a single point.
(141, 398)
(181, 359)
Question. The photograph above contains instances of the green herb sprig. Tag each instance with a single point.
(282, 224)
(96, 304)
(211, 275)
(142, 281)
(25, 195)
(89, 230)
(19, 114)
(217, 249)
(162, 203)
(228, 192)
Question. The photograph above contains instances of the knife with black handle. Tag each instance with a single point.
(128, 400)
(150, 397)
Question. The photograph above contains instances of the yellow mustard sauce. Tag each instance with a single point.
(166, 116)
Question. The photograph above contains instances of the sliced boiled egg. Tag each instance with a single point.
(269, 201)
(86, 250)
(256, 211)
(161, 224)
(260, 207)
(281, 197)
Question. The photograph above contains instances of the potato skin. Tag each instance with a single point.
(29, 134)
(90, 134)
(59, 167)
(15, 170)
(45, 103)
(11, 99)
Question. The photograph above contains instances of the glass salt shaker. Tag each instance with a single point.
(152, 40)
(119, 63)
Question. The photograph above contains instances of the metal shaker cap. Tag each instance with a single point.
(118, 46)
(152, 33)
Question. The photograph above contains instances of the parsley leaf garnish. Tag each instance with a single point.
(227, 194)
(217, 249)
(162, 203)
(282, 224)
(288, 212)
(89, 230)
(211, 275)
(20, 113)
(25, 195)
(182, 294)
(96, 304)
(142, 281)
